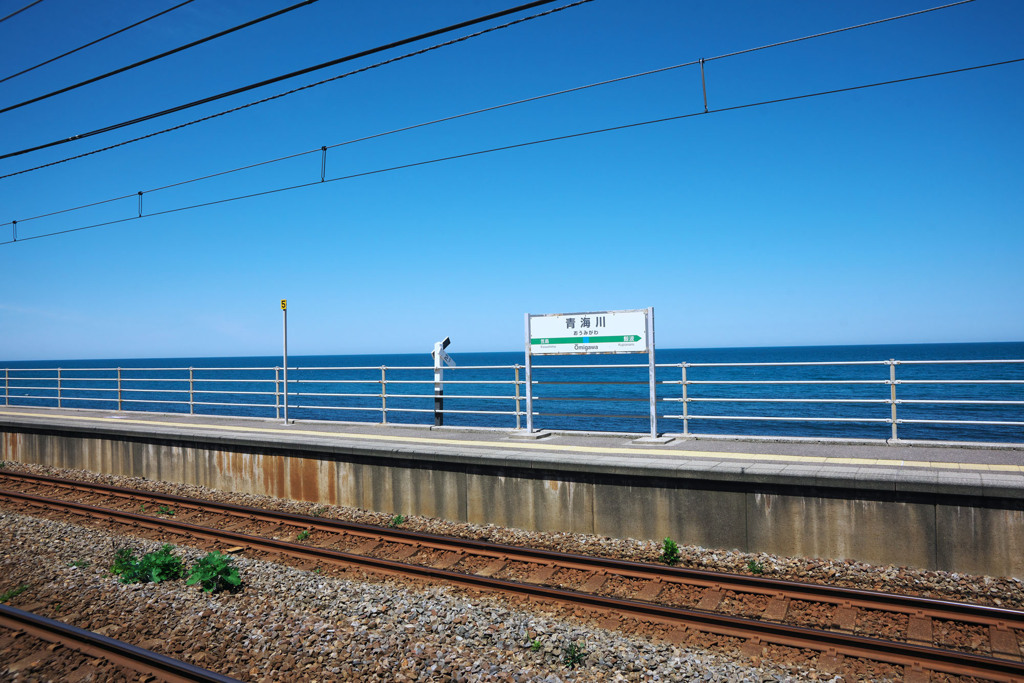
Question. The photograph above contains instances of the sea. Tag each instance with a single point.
(835, 392)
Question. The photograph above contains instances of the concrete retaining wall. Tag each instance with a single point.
(927, 526)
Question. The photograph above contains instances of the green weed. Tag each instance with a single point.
(535, 644)
(14, 592)
(124, 560)
(142, 508)
(397, 520)
(164, 510)
(215, 573)
(574, 655)
(79, 564)
(303, 535)
(318, 511)
(159, 565)
(669, 552)
(755, 567)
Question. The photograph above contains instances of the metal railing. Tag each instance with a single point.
(892, 400)
(884, 400)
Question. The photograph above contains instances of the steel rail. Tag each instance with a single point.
(907, 604)
(896, 653)
(145, 662)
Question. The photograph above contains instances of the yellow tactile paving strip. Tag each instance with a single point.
(645, 451)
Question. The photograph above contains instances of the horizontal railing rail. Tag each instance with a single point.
(952, 400)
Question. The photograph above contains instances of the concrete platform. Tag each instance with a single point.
(925, 505)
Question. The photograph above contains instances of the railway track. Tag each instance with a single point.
(44, 649)
(921, 635)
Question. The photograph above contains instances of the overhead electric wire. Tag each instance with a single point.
(293, 74)
(149, 60)
(520, 145)
(19, 11)
(839, 30)
(452, 42)
(311, 85)
(94, 42)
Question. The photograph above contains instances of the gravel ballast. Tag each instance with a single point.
(290, 624)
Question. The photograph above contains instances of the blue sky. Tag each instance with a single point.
(885, 215)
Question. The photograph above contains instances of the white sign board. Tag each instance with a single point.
(579, 333)
(446, 359)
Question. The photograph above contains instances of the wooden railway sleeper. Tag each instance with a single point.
(651, 590)
(845, 618)
(1004, 643)
(777, 608)
(711, 599)
(919, 629)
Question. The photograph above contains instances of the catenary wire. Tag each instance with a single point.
(149, 60)
(277, 79)
(19, 11)
(448, 118)
(839, 30)
(414, 126)
(364, 138)
(307, 87)
(465, 155)
(94, 42)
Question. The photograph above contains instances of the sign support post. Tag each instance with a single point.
(529, 380)
(284, 311)
(651, 373)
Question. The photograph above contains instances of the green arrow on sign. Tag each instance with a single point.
(585, 340)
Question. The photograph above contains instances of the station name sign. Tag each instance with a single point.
(582, 333)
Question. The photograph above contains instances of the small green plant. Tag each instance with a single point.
(159, 565)
(214, 573)
(142, 508)
(303, 535)
(318, 511)
(79, 564)
(14, 592)
(574, 655)
(57, 606)
(124, 559)
(535, 644)
(669, 552)
(165, 510)
(397, 520)
(755, 567)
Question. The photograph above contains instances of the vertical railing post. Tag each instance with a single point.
(7, 387)
(651, 371)
(284, 311)
(518, 421)
(58, 389)
(191, 392)
(119, 389)
(529, 379)
(277, 393)
(892, 395)
(686, 400)
(383, 395)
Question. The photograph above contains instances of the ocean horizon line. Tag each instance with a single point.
(675, 350)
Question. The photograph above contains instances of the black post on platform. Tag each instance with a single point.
(438, 405)
(439, 357)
